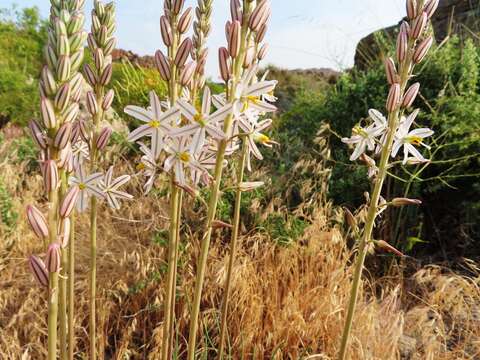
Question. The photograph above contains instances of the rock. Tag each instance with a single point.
(120, 55)
(461, 16)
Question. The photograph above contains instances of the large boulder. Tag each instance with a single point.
(460, 17)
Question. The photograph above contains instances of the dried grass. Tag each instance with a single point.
(287, 302)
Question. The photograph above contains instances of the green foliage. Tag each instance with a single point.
(22, 35)
(284, 229)
(8, 215)
(133, 83)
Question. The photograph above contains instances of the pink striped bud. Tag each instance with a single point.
(224, 61)
(393, 99)
(63, 136)
(52, 258)
(50, 177)
(64, 68)
(228, 27)
(185, 21)
(382, 244)
(259, 16)
(108, 100)
(64, 235)
(419, 25)
(62, 98)
(48, 81)
(48, 114)
(405, 27)
(163, 65)
(402, 46)
(37, 221)
(236, 10)
(410, 95)
(104, 138)
(422, 50)
(405, 201)
(71, 113)
(187, 73)
(177, 6)
(431, 7)
(39, 271)
(90, 75)
(183, 52)
(69, 201)
(412, 10)
(261, 33)
(92, 105)
(65, 160)
(262, 53)
(249, 58)
(234, 39)
(166, 31)
(37, 134)
(106, 75)
(98, 58)
(391, 71)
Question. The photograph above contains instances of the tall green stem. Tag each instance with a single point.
(63, 284)
(93, 276)
(233, 249)
(393, 121)
(53, 280)
(71, 284)
(215, 191)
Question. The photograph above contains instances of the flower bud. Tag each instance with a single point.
(262, 53)
(410, 95)
(48, 114)
(224, 61)
(108, 100)
(109, 46)
(228, 27)
(234, 39)
(64, 68)
(71, 113)
(63, 97)
(177, 6)
(64, 235)
(37, 221)
(187, 73)
(249, 58)
(422, 50)
(402, 46)
(65, 160)
(249, 186)
(185, 21)
(63, 135)
(391, 71)
(183, 52)
(259, 16)
(261, 33)
(163, 65)
(166, 31)
(388, 248)
(106, 75)
(431, 7)
(90, 75)
(77, 40)
(52, 258)
(412, 9)
(37, 134)
(102, 35)
(236, 10)
(393, 99)
(48, 81)
(98, 58)
(92, 105)
(217, 224)
(103, 138)
(50, 177)
(69, 201)
(63, 46)
(350, 218)
(405, 201)
(39, 271)
(419, 25)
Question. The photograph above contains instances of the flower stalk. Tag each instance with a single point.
(394, 134)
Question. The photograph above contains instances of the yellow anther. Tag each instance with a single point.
(199, 119)
(261, 138)
(82, 186)
(154, 124)
(140, 166)
(415, 140)
(184, 156)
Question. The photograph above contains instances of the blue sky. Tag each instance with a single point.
(303, 33)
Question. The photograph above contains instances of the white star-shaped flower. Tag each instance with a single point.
(110, 188)
(88, 186)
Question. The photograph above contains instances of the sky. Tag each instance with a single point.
(302, 33)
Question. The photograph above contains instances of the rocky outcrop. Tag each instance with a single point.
(460, 17)
(125, 55)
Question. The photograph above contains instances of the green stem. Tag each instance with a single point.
(233, 249)
(63, 284)
(93, 276)
(170, 273)
(405, 71)
(215, 192)
(53, 281)
(71, 284)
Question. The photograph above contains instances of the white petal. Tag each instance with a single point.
(139, 113)
(206, 101)
(155, 105)
(187, 110)
(144, 130)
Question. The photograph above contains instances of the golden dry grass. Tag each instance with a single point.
(287, 302)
